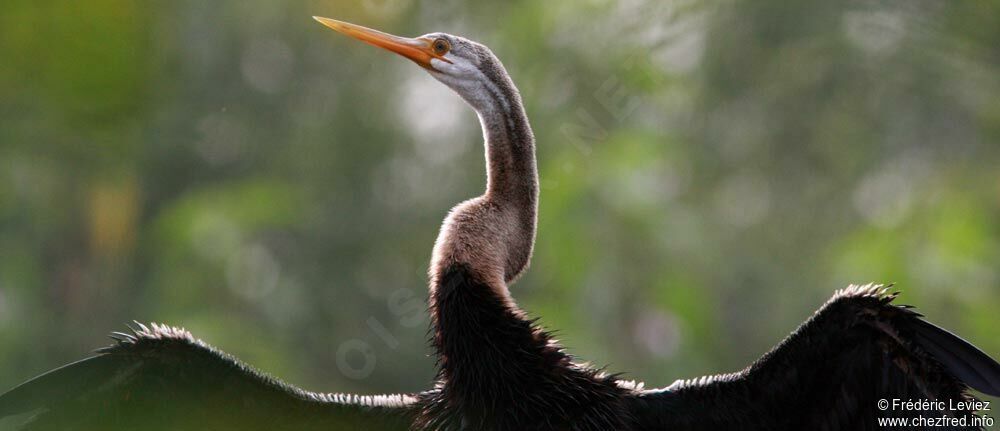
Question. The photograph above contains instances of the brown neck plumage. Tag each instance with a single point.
(493, 235)
(511, 174)
(512, 177)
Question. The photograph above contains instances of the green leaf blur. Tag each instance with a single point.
(711, 173)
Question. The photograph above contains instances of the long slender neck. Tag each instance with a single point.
(511, 173)
(493, 235)
(493, 358)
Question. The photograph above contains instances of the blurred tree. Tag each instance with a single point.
(711, 173)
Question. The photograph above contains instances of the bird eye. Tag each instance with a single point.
(441, 46)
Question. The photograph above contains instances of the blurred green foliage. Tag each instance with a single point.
(711, 173)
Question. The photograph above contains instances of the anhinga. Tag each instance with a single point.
(498, 370)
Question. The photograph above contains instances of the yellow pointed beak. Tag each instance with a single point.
(417, 49)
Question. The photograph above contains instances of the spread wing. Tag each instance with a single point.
(161, 377)
(832, 372)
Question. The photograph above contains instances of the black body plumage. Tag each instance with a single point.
(499, 371)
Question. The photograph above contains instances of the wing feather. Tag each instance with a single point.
(160, 377)
(831, 372)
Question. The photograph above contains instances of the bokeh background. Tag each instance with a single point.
(711, 173)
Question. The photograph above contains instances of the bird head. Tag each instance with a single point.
(469, 68)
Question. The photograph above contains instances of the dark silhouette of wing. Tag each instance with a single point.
(831, 373)
(162, 378)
